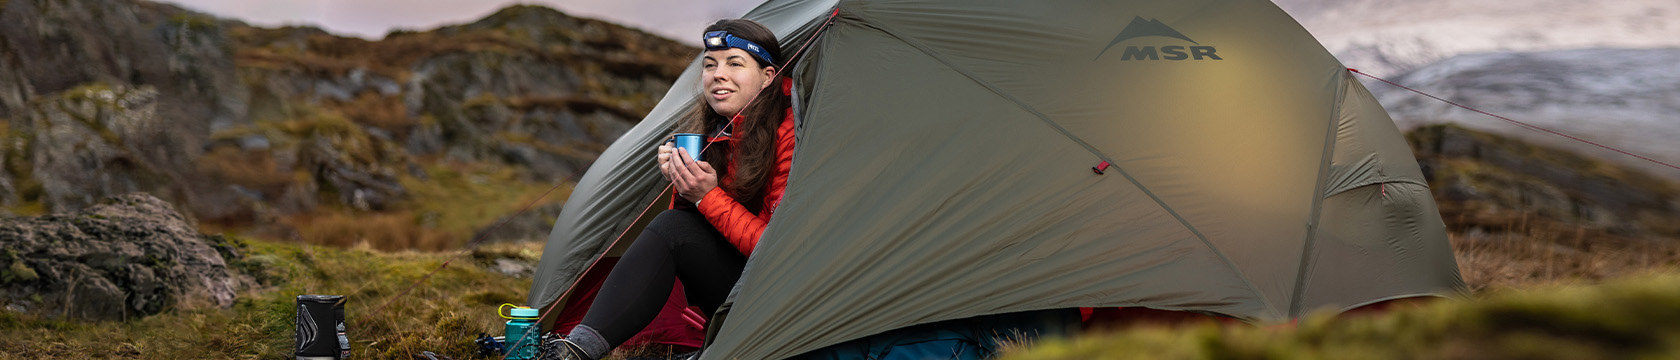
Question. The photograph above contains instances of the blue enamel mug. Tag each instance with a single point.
(690, 141)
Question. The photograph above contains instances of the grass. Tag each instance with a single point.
(1632, 318)
(443, 211)
(1544, 257)
(1542, 291)
(442, 315)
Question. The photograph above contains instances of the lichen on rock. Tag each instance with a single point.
(130, 256)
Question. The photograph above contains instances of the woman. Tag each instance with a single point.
(725, 201)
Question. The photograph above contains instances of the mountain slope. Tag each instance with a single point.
(416, 140)
(1624, 98)
(1388, 37)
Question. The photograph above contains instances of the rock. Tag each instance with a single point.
(128, 257)
(120, 98)
(1483, 180)
(360, 183)
(531, 225)
(512, 268)
(78, 154)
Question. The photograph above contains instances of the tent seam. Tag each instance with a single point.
(1340, 190)
(1322, 180)
(1065, 133)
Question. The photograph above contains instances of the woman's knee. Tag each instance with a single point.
(676, 222)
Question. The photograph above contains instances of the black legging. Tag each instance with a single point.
(678, 244)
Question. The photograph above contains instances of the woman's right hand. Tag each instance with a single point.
(664, 157)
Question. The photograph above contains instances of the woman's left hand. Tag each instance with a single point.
(693, 179)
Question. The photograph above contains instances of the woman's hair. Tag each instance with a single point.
(754, 148)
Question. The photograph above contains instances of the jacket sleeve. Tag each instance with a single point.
(741, 227)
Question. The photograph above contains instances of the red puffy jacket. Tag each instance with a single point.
(740, 226)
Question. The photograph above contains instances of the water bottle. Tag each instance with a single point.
(520, 324)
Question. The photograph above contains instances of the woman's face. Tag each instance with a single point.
(731, 79)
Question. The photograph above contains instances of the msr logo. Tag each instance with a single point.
(1151, 27)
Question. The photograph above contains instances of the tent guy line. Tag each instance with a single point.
(1519, 123)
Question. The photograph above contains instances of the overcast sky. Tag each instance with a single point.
(371, 19)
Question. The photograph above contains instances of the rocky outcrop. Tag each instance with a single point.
(118, 96)
(1493, 183)
(88, 142)
(128, 257)
(531, 224)
(245, 127)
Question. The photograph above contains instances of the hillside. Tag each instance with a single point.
(418, 140)
(1624, 98)
(1390, 37)
(1598, 69)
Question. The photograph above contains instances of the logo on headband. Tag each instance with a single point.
(1139, 28)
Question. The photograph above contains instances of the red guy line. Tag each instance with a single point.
(1523, 124)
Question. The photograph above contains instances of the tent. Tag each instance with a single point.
(946, 168)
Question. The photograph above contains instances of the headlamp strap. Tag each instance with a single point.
(721, 40)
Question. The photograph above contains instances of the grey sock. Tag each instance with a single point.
(589, 341)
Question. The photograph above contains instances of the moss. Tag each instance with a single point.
(465, 197)
(18, 272)
(102, 98)
(193, 22)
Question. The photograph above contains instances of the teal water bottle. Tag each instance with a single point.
(520, 324)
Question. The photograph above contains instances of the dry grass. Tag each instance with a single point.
(384, 112)
(325, 55)
(251, 169)
(392, 231)
(443, 211)
(1499, 249)
(443, 314)
(1519, 260)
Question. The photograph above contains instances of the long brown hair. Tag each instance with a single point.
(754, 148)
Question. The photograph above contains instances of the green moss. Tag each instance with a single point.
(18, 272)
(102, 98)
(461, 198)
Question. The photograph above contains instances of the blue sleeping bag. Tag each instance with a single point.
(975, 338)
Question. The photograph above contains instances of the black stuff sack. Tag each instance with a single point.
(320, 328)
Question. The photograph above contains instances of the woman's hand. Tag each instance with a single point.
(664, 156)
(693, 179)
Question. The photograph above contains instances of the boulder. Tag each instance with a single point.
(130, 256)
(529, 225)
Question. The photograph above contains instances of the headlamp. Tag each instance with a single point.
(722, 40)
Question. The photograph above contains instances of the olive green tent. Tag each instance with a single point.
(944, 170)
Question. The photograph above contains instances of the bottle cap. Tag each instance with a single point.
(519, 312)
